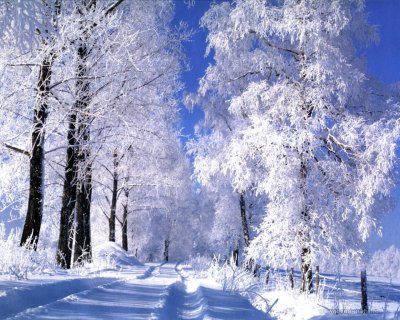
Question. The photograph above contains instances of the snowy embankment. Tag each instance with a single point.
(338, 298)
(124, 290)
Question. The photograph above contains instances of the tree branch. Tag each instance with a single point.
(18, 150)
(295, 53)
(112, 7)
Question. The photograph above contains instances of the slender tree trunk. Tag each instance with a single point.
(125, 221)
(364, 296)
(65, 242)
(317, 279)
(111, 220)
(166, 250)
(82, 245)
(33, 221)
(235, 254)
(306, 272)
(291, 278)
(245, 226)
(31, 230)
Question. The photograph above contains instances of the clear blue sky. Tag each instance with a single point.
(383, 62)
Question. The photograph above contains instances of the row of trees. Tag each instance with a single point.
(291, 116)
(295, 154)
(89, 113)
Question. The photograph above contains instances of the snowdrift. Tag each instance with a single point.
(113, 253)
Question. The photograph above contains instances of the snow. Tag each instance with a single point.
(337, 299)
(124, 288)
(114, 254)
(131, 290)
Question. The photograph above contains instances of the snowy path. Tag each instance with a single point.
(163, 291)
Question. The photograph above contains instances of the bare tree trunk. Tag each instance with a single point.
(235, 254)
(65, 242)
(31, 230)
(125, 221)
(33, 221)
(306, 272)
(166, 250)
(317, 279)
(82, 245)
(364, 296)
(245, 226)
(111, 220)
(291, 278)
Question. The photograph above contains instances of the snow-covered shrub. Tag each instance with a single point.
(200, 265)
(385, 263)
(20, 261)
(232, 278)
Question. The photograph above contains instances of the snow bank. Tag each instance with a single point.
(113, 255)
(19, 296)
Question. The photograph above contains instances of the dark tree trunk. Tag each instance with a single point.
(291, 278)
(65, 240)
(235, 255)
(111, 220)
(33, 221)
(125, 221)
(246, 235)
(245, 226)
(82, 245)
(306, 271)
(166, 250)
(364, 296)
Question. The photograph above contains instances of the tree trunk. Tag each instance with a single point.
(364, 296)
(33, 221)
(291, 278)
(65, 242)
(125, 221)
(82, 245)
(111, 220)
(245, 226)
(306, 271)
(235, 254)
(166, 250)
(317, 279)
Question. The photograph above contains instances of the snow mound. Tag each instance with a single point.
(113, 254)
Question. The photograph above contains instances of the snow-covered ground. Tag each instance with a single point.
(120, 287)
(130, 290)
(339, 298)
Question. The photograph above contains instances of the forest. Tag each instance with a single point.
(290, 170)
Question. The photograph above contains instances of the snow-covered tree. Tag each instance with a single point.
(114, 71)
(304, 125)
(385, 263)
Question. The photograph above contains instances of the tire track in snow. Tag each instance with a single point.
(186, 299)
(178, 302)
(20, 303)
(19, 300)
(165, 292)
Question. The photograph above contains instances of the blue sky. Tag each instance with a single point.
(383, 62)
